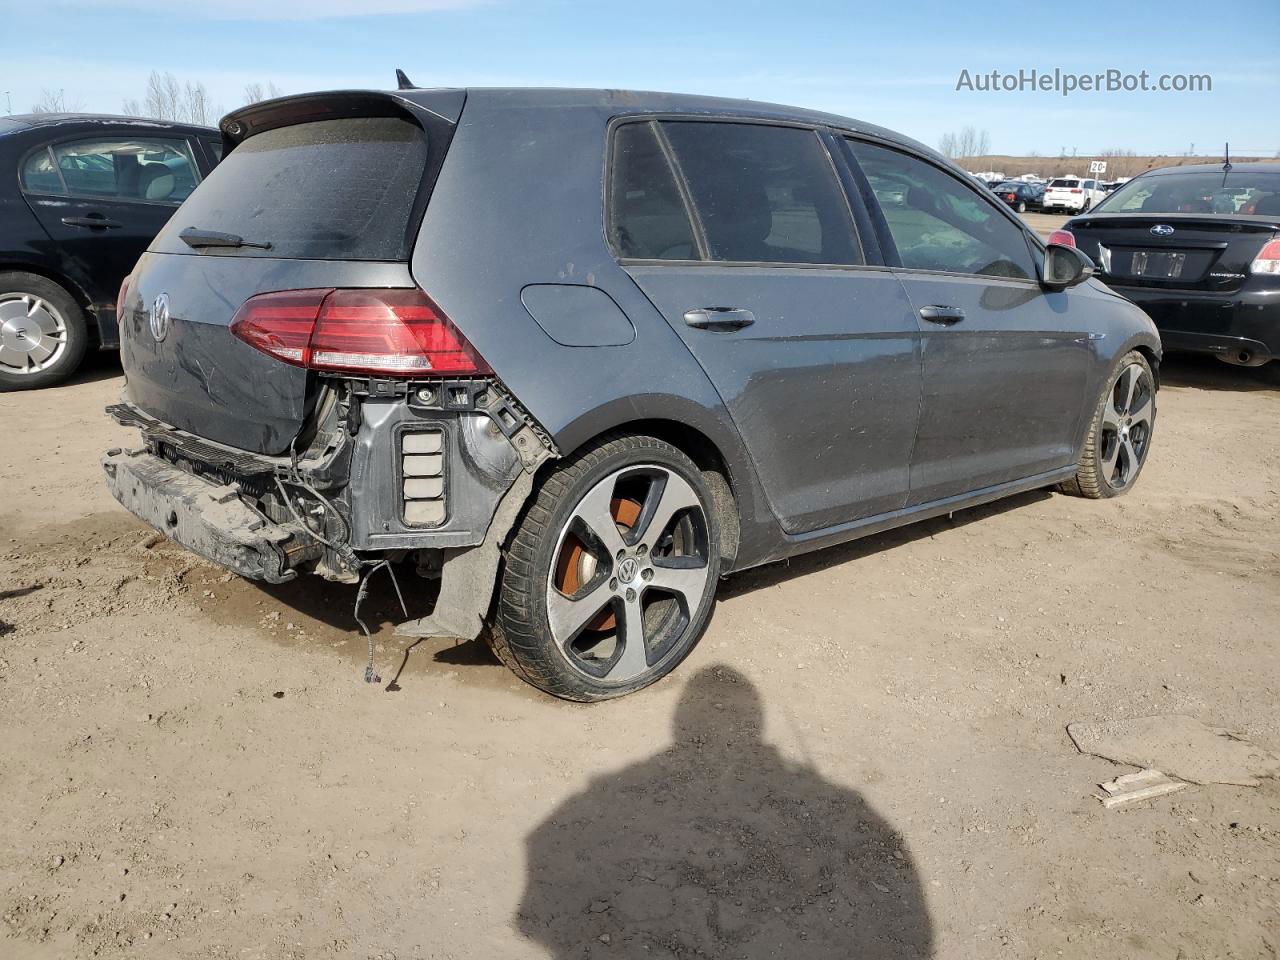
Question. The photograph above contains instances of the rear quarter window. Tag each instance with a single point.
(327, 190)
(647, 218)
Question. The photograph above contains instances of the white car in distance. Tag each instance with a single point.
(1074, 194)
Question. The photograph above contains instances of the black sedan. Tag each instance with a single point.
(81, 197)
(1198, 248)
(1019, 194)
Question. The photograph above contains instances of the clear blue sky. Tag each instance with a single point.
(893, 63)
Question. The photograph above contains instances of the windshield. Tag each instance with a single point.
(1237, 191)
(328, 190)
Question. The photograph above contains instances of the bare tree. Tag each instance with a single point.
(968, 142)
(55, 101)
(257, 92)
(167, 98)
(1121, 163)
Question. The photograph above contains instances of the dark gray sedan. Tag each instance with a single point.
(581, 353)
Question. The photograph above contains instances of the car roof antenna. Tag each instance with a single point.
(1226, 164)
(402, 81)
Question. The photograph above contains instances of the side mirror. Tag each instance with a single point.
(1064, 267)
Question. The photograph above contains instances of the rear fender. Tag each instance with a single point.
(682, 422)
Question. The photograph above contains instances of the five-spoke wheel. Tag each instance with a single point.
(1120, 433)
(611, 575)
(1127, 418)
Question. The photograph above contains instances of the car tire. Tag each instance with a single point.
(43, 335)
(594, 605)
(1085, 206)
(1120, 432)
(1022, 206)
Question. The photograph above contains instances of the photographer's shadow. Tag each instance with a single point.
(720, 847)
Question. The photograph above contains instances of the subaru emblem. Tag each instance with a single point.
(1161, 230)
(160, 317)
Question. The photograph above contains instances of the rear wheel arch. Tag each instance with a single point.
(725, 483)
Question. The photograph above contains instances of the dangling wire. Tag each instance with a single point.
(343, 549)
(369, 675)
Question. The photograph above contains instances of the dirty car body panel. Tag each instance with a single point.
(811, 402)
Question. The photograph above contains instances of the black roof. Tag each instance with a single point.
(1258, 166)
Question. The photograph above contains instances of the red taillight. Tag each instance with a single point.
(1268, 259)
(1075, 190)
(397, 332)
(280, 323)
(1063, 238)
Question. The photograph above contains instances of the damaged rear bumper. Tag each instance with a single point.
(210, 520)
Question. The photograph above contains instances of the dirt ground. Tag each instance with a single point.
(866, 756)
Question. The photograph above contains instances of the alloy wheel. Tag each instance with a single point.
(1127, 418)
(630, 572)
(33, 333)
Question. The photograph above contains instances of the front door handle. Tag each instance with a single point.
(719, 318)
(94, 222)
(941, 314)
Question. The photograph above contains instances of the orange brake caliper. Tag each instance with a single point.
(568, 569)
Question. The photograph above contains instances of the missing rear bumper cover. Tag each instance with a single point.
(212, 521)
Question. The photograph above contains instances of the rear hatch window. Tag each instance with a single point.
(1062, 182)
(327, 190)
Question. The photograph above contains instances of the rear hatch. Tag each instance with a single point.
(1196, 229)
(325, 191)
(1064, 189)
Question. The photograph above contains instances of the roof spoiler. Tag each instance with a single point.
(425, 107)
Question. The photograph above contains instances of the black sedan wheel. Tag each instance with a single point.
(611, 574)
(1022, 206)
(42, 332)
(1120, 435)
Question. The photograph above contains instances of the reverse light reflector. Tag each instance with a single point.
(390, 332)
(1063, 238)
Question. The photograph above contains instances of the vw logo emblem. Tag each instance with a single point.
(160, 317)
(627, 569)
(1161, 230)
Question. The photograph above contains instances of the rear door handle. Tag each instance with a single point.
(96, 222)
(941, 314)
(719, 318)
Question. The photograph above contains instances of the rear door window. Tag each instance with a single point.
(647, 217)
(328, 190)
(145, 169)
(764, 194)
(937, 223)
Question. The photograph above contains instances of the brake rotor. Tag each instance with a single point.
(576, 565)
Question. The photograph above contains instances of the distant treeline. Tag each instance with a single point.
(1119, 164)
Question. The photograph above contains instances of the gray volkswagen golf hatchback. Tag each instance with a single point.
(581, 353)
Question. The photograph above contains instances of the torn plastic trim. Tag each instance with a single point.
(469, 576)
(486, 395)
